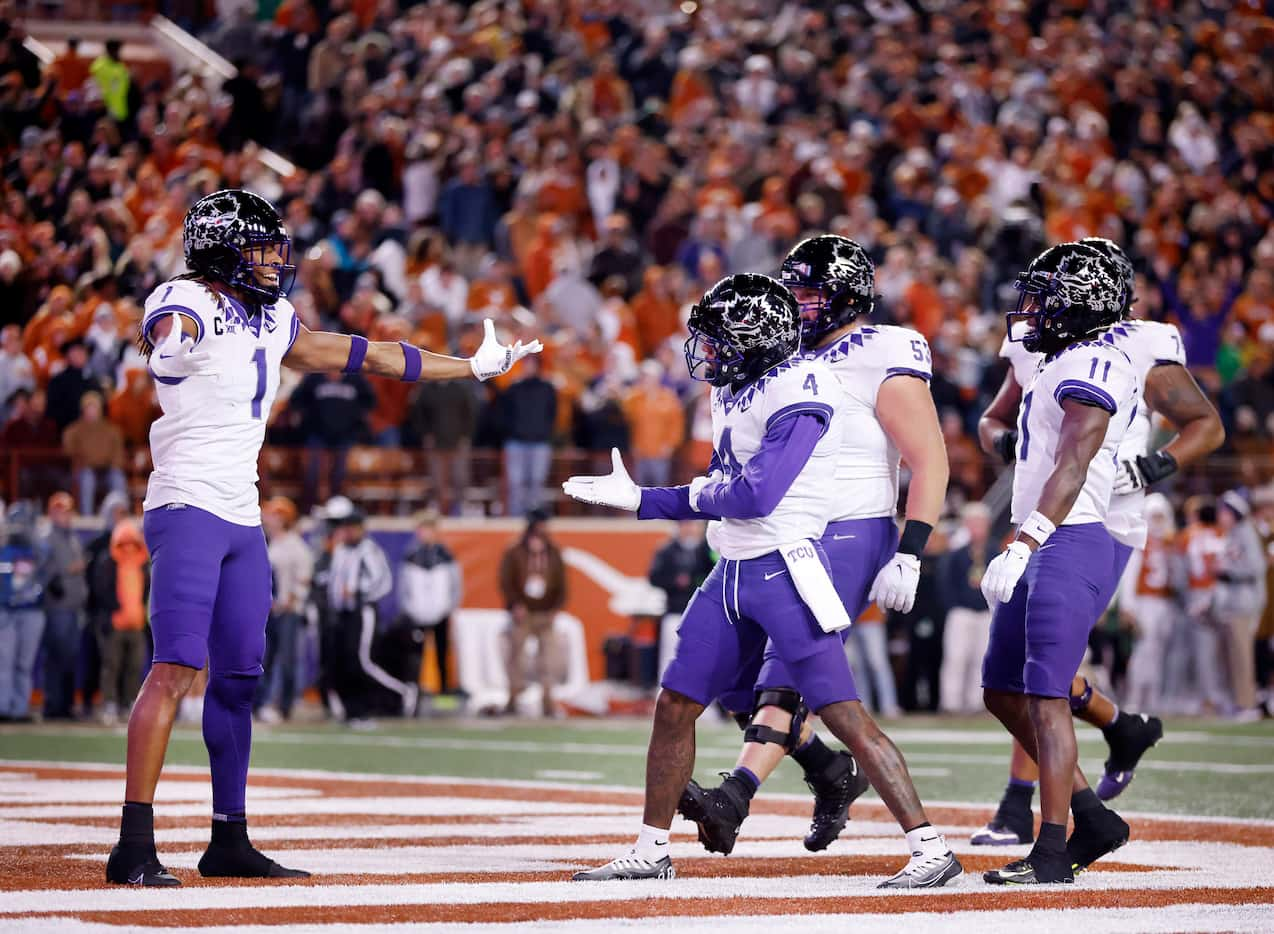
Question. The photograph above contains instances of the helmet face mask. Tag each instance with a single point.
(743, 326)
(1069, 293)
(834, 281)
(238, 239)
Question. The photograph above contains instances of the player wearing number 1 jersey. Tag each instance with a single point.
(215, 340)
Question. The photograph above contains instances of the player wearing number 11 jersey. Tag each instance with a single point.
(215, 340)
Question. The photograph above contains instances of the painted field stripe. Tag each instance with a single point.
(953, 901)
(1159, 920)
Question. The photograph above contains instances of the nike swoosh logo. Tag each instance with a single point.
(774, 575)
(137, 881)
(927, 839)
(665, 843)
(166, 356)
(841, 538)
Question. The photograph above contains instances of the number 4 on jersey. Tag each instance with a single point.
(811, 385)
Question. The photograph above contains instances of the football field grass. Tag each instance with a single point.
(1200, 767)
(452, 826)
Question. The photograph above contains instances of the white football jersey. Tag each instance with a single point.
(739, 423)
(1147, 344)
(205, 446)
(1095, 372)
(867, 469)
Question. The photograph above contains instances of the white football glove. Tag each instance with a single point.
(699, 484)
(175, 357)
(1003, 573)
(895, 585)
(1128, 478)
(493, 358)
(615, 489)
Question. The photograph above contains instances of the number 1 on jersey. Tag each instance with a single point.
(258, 358)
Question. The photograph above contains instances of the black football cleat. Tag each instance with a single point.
(231, 855)
(1129, 738)
(1037, 869)
(1012, 825)
(1097, 834)
(136, 866)
(718, 812)
(835, 789)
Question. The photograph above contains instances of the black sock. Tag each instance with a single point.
(814, 757)
(1019, 796)
(1084, 803)
(229, 832)
(137, 825)
(1051, 839)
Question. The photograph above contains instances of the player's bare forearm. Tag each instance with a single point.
(328, 352)
(1001, 415)
(906, 411)
(1173, 393)
(1081, 437)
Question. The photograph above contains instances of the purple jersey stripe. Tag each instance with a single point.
(154, 316)
(908, 371)
(166, 380)
(1084, 392)
(820, 410)
(296, 331)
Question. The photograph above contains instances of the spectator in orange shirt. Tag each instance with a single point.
(70, 69)
(655, 309)
(923, 302)
(134, 407)
(656, 426)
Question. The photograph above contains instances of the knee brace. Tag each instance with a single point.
(785, 699)
(1080, 701)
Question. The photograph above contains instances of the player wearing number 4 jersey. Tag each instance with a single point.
(889, 416)
(215, 340)
(1169, 391)
(777, 424)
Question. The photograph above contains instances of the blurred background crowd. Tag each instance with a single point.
(580, 171)
(583, 170)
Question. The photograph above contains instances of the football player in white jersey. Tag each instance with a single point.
(1053, 581)
(889, 415)
(777, 434)
(215, 340)
(1170, 391)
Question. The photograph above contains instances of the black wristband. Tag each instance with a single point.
(1006, 445)
(1156, 466)
(914, 536)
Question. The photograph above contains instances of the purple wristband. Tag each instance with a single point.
(357, 351)
(412, 362)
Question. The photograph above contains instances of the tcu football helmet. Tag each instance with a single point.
(1115, 253)
(1069, 293)
(743, 326)
(844, 277)
(226, 236)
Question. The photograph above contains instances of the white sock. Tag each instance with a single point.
(926, 841)
(652, 843)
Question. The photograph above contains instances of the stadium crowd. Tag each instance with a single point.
(582, 171)
(585, 170)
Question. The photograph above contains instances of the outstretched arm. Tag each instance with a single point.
(326, 352)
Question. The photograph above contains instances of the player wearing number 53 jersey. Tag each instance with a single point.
(215, 340)
(777, 431)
